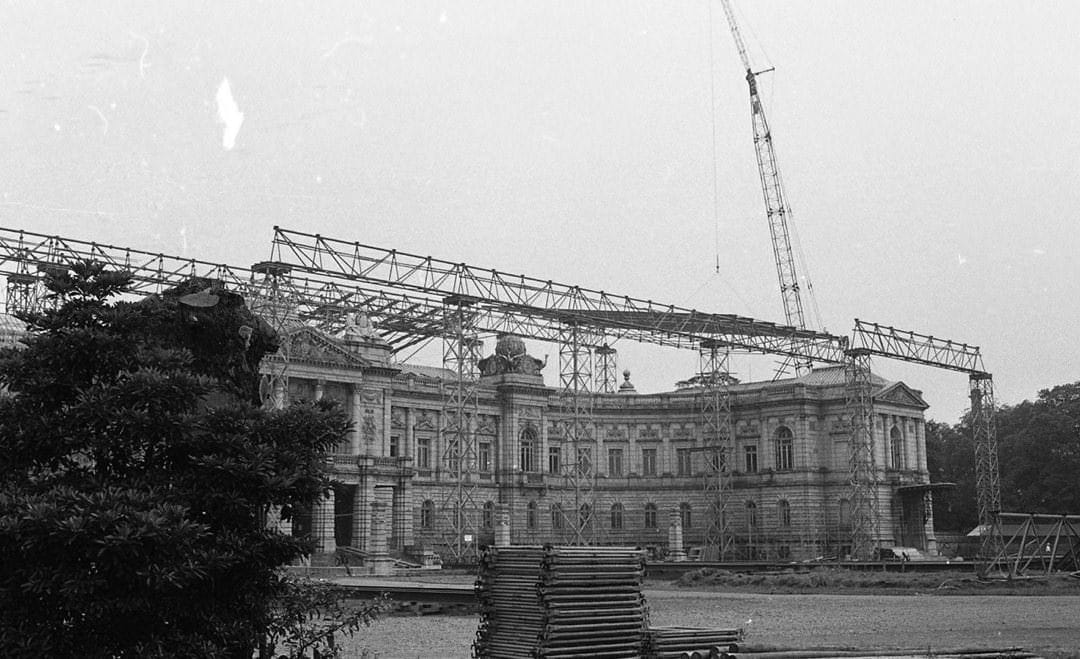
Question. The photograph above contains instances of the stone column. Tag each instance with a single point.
(361, 519)
(502, 526)
(381, 507)
(322, 522)
(675, 537)
(356, 416)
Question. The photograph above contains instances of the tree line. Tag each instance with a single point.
(1038, 458)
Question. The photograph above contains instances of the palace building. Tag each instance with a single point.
(788, 457)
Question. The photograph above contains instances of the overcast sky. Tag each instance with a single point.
(930, 152)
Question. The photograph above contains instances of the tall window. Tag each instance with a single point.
(784, 449)
(427, 514)
(896, 446)
(648, 462)
(528, 445)
(650, 515)
(685, 461)
(617, 516)
(784, 510)
(614, 462)
(483, 457)
(751, 515)
(584, 515)
(750, 458)
(554, 460)
(530, 515)
(423, 453)
(558, 520)
(844, 512)
(488, 521)
(684, 515)
(395, 446)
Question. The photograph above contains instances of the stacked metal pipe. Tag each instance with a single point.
(561, 602)
(680, 642)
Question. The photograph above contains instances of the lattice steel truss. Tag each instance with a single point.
(318, 282)
(607, 367)
(714, 403)
(578, 432)
(862, 469)
(987, 483)
(461, 352)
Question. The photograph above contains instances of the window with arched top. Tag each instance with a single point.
(751, 515)
(784, 442)
(896, 448)
(684, 515)
(784, 512)
(650, 515)
(488, 519)
(530, 515)
(529, 445)
(844, 512)
(427, 514)
(616, 516)
(558, 519)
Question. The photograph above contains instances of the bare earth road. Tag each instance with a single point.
(940, 622)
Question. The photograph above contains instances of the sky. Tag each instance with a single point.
(930, 152)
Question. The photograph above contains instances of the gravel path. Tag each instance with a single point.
(1047, 624)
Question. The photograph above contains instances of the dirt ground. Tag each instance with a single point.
(1042, 624)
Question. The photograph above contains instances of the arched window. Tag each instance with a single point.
(488, 521)
(784, 510)
(650, 515)
(684, 514)
(427, 514)
(785, 452)
(558, 520)
(751, 515)
(844, 512)
(529, 445)
(896, 446)
(530, 515)
(617, 516)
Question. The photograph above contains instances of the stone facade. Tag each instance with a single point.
(789, 459)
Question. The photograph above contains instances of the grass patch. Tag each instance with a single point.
(841, 581)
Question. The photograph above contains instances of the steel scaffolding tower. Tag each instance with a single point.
(862, 469)
(715, 406)
(461, 352)
(578, 431)
(607, 366)
(987, 483)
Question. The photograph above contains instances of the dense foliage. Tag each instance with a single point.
(136, 470)
(1038, 456)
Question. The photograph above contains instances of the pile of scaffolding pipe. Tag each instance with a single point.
(691, 642)
(561, 602)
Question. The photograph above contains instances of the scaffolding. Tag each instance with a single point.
(714, 403)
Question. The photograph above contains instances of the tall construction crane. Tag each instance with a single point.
(776, 207)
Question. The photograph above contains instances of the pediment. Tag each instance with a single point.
(308, 344)
(899, 393)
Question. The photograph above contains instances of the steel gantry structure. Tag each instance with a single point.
(317, 281)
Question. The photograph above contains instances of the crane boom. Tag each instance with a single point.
(776, 208)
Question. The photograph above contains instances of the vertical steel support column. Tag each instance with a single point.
(987, 483)
(461, 351)
(714, 402)
(579, 432)
(607, 367)
(862, 468)
(269, 300)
